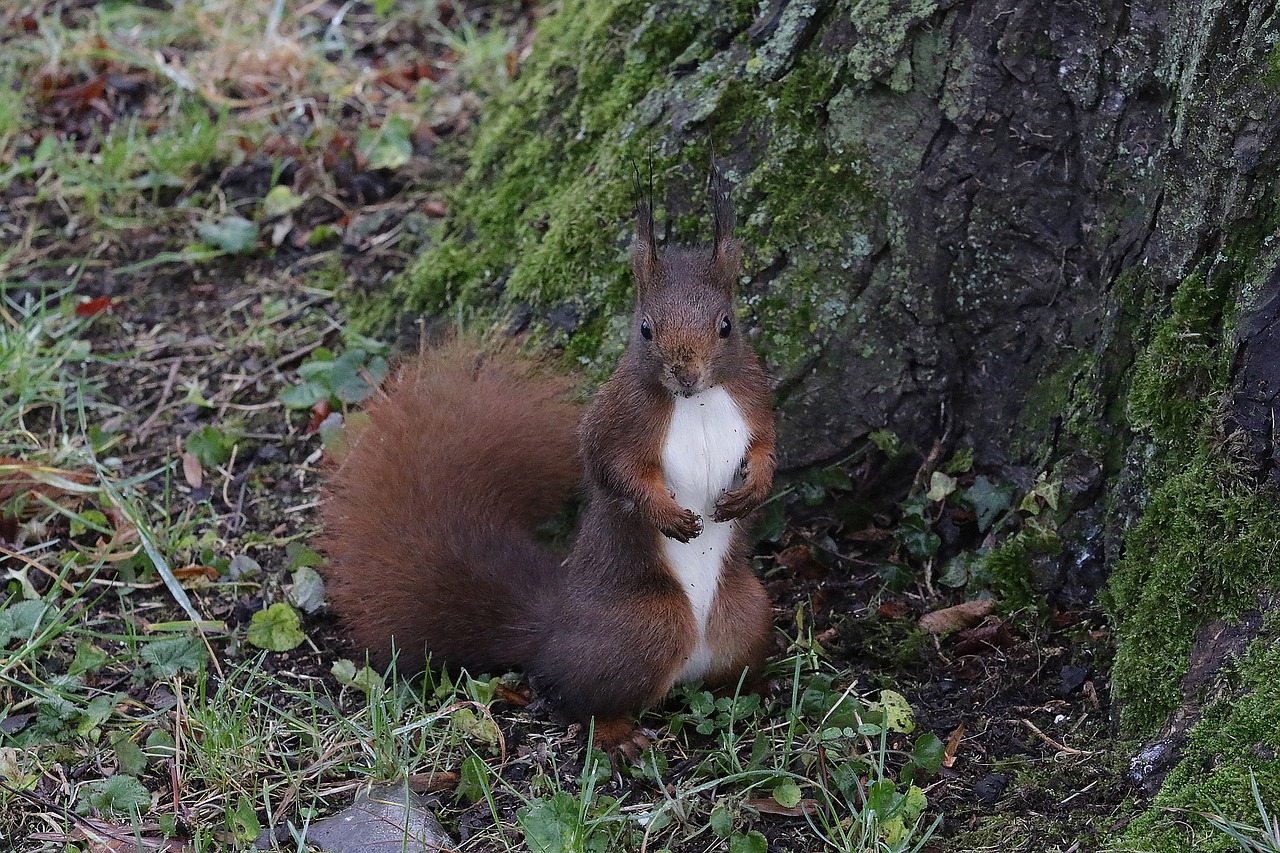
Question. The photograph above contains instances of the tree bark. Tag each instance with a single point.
(1042, 229)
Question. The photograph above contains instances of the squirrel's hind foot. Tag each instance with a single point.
(621, 739)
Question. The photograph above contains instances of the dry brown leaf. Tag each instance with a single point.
(520, 698)
(191, 471)
(953, 743)
(894, 610)
(985, 639)
(101, 836)
(196, 573)
(430, 783)
(955, 618)
(18, 476)
(768, 805)
(801, 563)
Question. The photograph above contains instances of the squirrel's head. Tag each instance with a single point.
(685, 329)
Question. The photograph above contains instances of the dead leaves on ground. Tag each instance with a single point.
(100, 836)
(958, 617)
(27, 487)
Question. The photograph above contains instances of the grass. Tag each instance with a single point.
(140, 518)
(115, 121)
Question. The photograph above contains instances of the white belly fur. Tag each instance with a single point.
(701, 459)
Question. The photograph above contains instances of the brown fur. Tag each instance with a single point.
(429, 517)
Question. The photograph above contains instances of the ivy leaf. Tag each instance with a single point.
(940, 485)
(366, 679)
(276, 629)
(210, 445)
(172, 655)
(926, 755)
(916, 533)
(896, 711)
(300, 555)
(388, 147)
(482, 729)
(243, 821)
(303, 396)
(88, 658)
(884, 799)
(988, 500)
(722, 821)
(130, 758)
(279, 201)
(96, 713)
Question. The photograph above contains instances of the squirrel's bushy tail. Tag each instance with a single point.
(430, 511)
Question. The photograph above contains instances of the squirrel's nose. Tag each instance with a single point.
(688, 380)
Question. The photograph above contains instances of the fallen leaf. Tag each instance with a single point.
(101, 836)
(430, 783)
(768, 805)
(800, 561)
(18, 477)
(985, 639)
(319, 412)
(93, 307)
(196, 573)
(191, 471)
(894, 610)
(953, 743)
(955, 618)
(519, 698)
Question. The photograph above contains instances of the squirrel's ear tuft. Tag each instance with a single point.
(725, 253)
(644, 252)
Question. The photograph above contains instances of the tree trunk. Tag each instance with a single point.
(1045, 230)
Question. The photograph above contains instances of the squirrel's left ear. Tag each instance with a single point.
(645, 264)
(725, 254)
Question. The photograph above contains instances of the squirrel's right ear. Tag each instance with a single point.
(725, 253)
(644, 252)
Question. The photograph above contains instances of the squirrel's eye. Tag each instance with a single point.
(725, 327)
(645, 331)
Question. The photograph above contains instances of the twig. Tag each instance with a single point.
(1053, 743)
(44, 570)
(162, 399)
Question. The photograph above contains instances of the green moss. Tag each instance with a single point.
(1203, 548)
(1236, 741)
(543, 217)
(1011, 567)
(1172, 381)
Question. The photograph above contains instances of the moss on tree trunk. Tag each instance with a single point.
(1051, 225)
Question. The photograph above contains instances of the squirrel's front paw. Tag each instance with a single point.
(739, 502)
(681, 525)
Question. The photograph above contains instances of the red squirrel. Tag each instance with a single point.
(429, 518)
